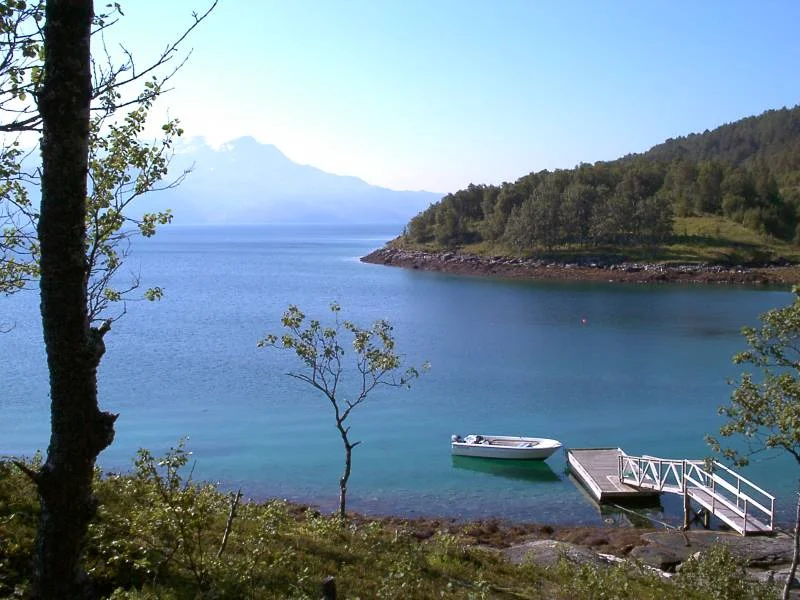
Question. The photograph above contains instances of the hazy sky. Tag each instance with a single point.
(436, 94)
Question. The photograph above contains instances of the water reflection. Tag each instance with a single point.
(642, 512)
(524, 470)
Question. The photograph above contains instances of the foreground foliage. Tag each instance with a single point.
(160, 535)
(765, 411)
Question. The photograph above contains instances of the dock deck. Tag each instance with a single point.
(597, 469)
(611, 475)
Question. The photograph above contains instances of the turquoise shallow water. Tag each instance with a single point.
(639, 367)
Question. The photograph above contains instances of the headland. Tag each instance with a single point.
(598, 269)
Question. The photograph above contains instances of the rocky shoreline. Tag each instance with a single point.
(763, 558)
(601, 269)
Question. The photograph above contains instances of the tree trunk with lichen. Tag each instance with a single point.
(795, 553)
(79, 430)
(348, 465)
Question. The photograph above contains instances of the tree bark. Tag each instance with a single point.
(79, 430)
(348, 462)
(795, 554)
(328, 588)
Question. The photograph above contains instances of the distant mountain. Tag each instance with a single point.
(245, 181)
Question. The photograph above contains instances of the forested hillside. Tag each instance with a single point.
(747, 171)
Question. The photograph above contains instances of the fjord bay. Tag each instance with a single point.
(641, 367)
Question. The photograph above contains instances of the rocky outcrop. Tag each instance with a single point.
(765, 558)
(601, 268)
(547, 553)
(670, 548)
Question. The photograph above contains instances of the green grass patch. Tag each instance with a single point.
(720, 240)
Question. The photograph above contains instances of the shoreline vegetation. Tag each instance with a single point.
(718, 207)
(605, 268)
(158, 534)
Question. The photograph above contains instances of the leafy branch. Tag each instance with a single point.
(766, 412)
(376, 364)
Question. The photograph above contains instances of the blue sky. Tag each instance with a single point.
(437, 94)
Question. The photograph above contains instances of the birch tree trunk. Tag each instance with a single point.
(795, 553)
(79, 430)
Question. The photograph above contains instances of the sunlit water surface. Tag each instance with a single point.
(640, 367)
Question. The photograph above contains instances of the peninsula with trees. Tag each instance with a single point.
(719, 206)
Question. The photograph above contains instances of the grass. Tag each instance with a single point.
(157, 535)
(719, 240)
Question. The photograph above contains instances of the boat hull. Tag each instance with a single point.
(506, 447)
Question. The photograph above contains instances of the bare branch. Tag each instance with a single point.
(229, 523)
(111, 78)
(32, 475)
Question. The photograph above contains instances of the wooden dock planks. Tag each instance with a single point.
(598, 471)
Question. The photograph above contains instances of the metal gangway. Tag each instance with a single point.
(721, 492)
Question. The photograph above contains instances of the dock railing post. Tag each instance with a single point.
(686, 520)
(683, 476)
(744, 519)
(713, 495)
(738, 489)
(772, 514)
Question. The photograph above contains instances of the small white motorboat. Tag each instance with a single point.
(503, 446)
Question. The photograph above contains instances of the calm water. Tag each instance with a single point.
(639, 367)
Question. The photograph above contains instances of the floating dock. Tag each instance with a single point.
(612, 476)
(597, 469)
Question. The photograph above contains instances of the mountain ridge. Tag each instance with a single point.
(774, 133)
(245, 181)
(744, 175)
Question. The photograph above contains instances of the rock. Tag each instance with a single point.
(549, 552)
(764, 557)
(754, 551)
(659, 557)
(775, 577)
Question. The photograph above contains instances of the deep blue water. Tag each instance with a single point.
(639, 367)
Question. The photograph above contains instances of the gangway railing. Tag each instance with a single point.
(650, 472)
(734, 499)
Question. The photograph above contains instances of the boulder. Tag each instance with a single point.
(754, 551)
(659, 557)
(548, 552)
